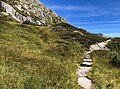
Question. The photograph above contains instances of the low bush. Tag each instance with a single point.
(114, 45)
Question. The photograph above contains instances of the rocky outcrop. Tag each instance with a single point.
(100, 46)
(30, 11)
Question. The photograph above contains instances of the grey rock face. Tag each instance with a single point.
(30, 10)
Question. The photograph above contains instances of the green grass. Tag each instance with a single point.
(33, 57)
(104, 75)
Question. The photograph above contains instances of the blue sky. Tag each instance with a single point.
(97, 16)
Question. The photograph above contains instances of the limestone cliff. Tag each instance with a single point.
(29, 11)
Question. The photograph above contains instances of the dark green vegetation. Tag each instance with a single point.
(106, 67)
(114, 45)
(71, 33)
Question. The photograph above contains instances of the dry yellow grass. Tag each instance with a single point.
(33, 57)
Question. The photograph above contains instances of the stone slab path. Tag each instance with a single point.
(83, 72)
(84, 68)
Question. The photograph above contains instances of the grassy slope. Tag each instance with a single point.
(86, 39)
(33, 57)
(104, 75)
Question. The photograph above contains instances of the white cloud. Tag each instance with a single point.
(99, 22)
(112, 34)
(73, 8)
(82, 11)
(87, 14)
(87, 10)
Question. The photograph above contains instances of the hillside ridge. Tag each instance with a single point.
(29, 11)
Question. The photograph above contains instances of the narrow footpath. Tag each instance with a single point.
(84, 68)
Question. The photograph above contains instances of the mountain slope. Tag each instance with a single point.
(29, 11)
(36, 57)
(33, 57)
(71, 33)
(39, 57)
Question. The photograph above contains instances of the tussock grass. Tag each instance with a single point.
(33, 57)
(104, 75)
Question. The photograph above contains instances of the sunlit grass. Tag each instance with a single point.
(104, 75)
(33, 57)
